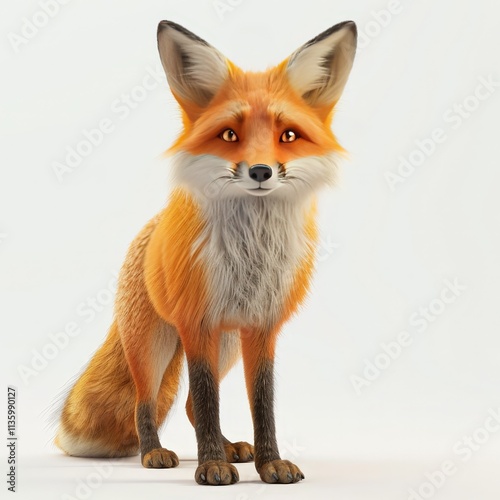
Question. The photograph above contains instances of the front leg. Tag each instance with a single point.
(204, 388)
(229, 353)
(240, 451)
(258, 357)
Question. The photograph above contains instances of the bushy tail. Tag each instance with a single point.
(97, 422)
(98, 418)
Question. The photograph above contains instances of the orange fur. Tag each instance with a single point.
(164, 307)
(175, 287)
(99, 411)
(258, 107)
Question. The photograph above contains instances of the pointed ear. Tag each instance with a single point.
(319, 69)
(195, 70)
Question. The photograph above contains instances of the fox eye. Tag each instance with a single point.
(229, 135)
(289, 136)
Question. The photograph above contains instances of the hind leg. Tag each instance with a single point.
(229, 353)
(149, 352)
(154, 355)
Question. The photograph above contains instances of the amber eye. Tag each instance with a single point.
(229, 135)
(289, 136)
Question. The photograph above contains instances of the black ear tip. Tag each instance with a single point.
(351, 25)
(163, 25)
(167, 25)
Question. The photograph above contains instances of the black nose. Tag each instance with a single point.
(260, 173)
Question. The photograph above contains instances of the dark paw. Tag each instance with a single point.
(160, 458)
(239, 452)
(216, 472)
(280, 471)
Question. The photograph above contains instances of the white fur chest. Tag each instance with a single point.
(250, 250)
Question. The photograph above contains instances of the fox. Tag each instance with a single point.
(217, 273)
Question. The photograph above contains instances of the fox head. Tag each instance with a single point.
(256, 134)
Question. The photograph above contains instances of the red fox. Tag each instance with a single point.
(218, 272)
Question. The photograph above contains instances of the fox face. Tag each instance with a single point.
(261, 134)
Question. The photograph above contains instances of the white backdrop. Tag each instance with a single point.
(393, 366)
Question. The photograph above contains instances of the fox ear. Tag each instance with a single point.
(195, 70)
(319, 69)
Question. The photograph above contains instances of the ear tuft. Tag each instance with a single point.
(195, 70)
(319, 69)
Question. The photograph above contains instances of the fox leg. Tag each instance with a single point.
(229, 353)
(258, 357)
(153, 353)
(202, 353)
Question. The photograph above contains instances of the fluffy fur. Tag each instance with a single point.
(218, 272)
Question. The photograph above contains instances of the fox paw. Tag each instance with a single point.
(160, 458)
(239, 452)
(216, 472)
(280, 471)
